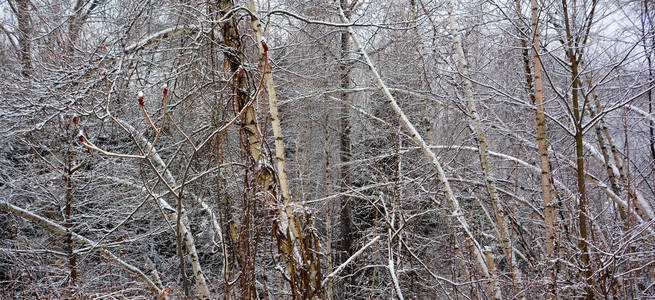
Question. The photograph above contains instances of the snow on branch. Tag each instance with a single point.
(58, 229)
(348, 261)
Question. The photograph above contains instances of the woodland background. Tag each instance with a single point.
(352, 149)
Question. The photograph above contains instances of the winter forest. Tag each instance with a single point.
(323, 149)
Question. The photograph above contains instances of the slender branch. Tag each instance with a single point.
(58, 229)
(342, 266)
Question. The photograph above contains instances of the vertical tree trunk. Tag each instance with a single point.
(345, 174)
(649, 53)
(277, 128)
(299, 250)
(328, 206)
(525, 52)
(75, 25)
(24, 35)
(68, 224)
(575, 63)
(542, 148)
(264, 171)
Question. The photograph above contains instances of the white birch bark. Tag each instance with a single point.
(474, 123)
(286, 216)
(187, 235)
(476, 249)
(301, 246)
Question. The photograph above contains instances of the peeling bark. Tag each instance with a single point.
(298, 249)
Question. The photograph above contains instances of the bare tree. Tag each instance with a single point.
(323, 150)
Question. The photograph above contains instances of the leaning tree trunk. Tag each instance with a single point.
(55, 228)
(475, 124)
(476, 249)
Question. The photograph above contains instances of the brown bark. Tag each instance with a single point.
(575, 60)
(525, 51)
(70, 247)
(345, 216)
(298, 249)
(75, 25)
(21, 10)
(231, 38)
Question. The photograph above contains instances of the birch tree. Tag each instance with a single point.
(339, 149)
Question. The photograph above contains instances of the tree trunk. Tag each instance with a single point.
(299, 250)
(502, 235)
(53, 227)
(476, 249)
(345, 174)
(24, 34)
(575, 63)
(649, 53)
(328, 206)
(68, 224)
(542, 148)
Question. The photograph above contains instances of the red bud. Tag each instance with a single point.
(165, 89)
(80, 138)
(265, 46)
(140, 97)
(239, 71)
(75, 120)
